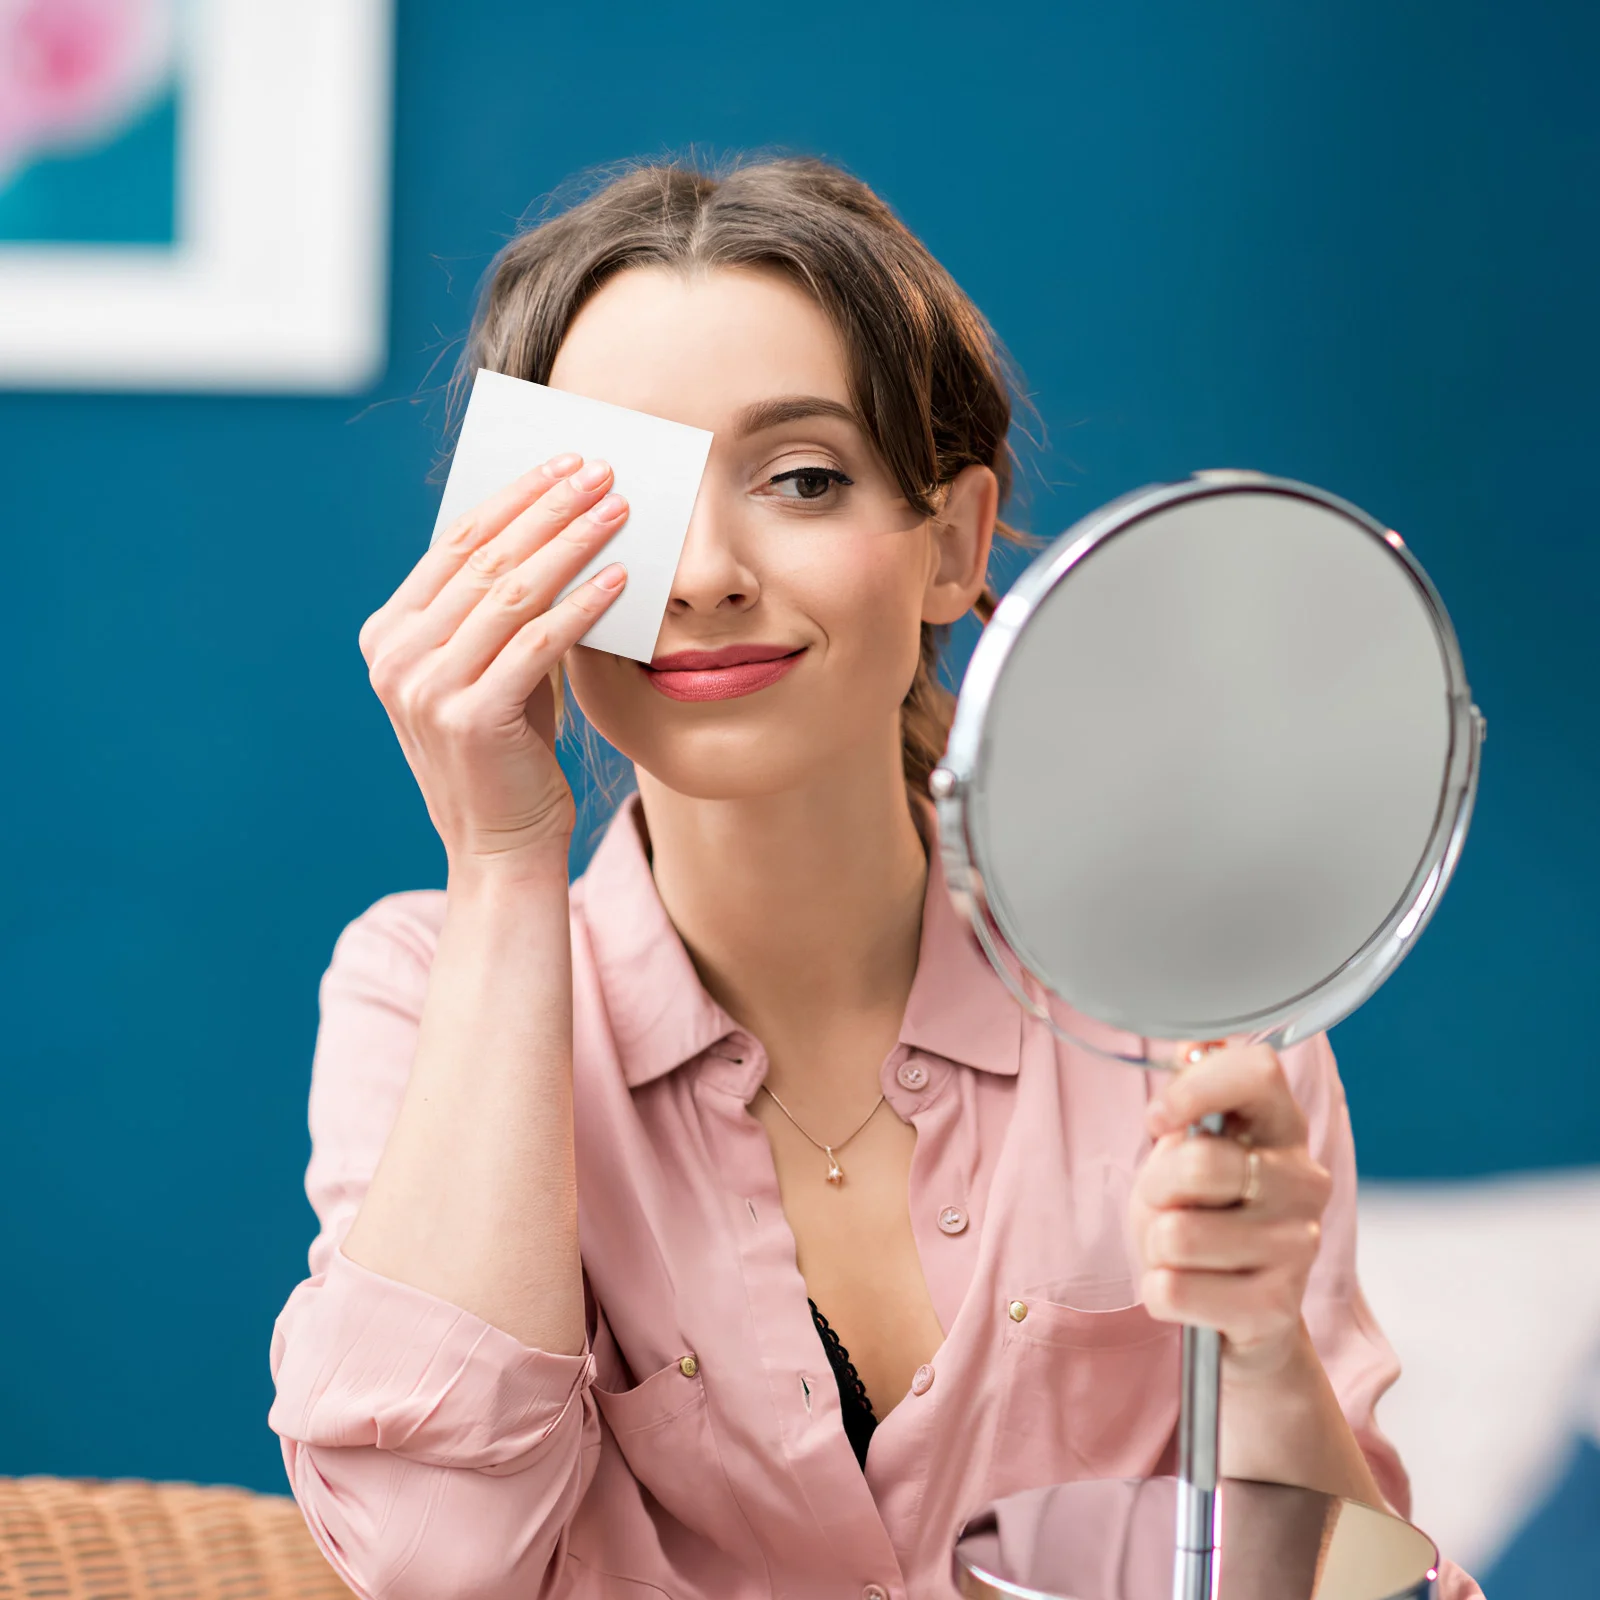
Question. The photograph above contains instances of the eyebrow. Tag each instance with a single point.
(792, 408)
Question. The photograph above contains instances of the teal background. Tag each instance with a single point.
(121, 191)
(1348, 241)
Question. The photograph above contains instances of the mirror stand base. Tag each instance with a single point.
(1112, 1540)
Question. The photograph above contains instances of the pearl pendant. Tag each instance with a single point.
(835, 1171)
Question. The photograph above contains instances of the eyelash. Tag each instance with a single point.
(794, 473)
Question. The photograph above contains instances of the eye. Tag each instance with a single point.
(810, 483)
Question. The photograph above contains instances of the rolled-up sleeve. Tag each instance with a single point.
(430, 1452)
(1360, 1362)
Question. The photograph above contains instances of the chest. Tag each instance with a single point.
(706, 1225)
(855, 1246)
(703, 1234)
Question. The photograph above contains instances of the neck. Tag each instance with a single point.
(802, 910)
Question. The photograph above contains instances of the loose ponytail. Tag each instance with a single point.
(926, 711)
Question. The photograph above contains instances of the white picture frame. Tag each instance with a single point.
(278, 279)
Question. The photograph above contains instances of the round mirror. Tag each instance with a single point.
(1211, 765)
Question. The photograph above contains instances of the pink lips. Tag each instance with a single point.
(721, 674)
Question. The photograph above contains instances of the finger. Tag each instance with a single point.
(527, 590)
(535, 648)
(1230, 1241)
(1204, 1171)
(1245, 1080)
(530, 530)
(1246, 1306)
(493, 564)
(471, 530)
(1215, 1172)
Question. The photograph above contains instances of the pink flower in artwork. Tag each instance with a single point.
(73, 71)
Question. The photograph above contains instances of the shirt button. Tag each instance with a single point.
(1017, 1310)
(688, 1366)
(912, 1075)
(952, 1220)
(922, 1380)
(873, 1592)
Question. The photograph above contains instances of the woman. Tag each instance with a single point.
(582, 1157)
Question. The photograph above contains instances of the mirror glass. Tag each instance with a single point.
(1212, 761)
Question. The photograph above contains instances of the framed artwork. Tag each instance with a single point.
(194, 194)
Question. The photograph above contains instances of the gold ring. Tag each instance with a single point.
(1252, 1178)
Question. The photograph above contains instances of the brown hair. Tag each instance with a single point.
(927, 376)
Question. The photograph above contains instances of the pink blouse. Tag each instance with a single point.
(696, 1448)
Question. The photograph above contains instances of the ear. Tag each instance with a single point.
(961, 536)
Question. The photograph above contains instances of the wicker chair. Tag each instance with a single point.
(86, 1539)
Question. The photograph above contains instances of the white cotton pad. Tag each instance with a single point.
(511, 426)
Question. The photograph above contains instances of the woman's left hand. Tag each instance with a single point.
(1206, 1258)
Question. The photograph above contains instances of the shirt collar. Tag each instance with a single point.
(661, 1015)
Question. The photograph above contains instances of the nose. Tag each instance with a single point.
(712, 574)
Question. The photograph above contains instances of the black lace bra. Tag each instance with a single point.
(859, 1420)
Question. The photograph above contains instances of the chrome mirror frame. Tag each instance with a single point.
(959, 798)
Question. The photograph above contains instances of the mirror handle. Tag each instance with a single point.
(1199, 1440)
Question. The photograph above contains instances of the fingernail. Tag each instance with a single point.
(591, 476)
(611, 577)
(609, 509)
(1156, 1112)
(560, 466)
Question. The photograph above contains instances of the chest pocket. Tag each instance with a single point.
(1088, 1393)
(663, 1429)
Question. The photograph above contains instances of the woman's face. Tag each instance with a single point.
(802, 551)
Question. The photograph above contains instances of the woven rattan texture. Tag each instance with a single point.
(83, 1539)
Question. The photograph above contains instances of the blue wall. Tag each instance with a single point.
(1347, 241)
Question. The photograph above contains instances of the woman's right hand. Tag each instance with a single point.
(461, 657)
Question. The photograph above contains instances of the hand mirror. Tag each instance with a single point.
(1210, 770)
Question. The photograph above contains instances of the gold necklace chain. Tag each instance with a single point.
(835, 1171)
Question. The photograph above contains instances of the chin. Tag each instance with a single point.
(735, 758)
(725, 763)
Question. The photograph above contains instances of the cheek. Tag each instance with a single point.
(607, 689)
(614, 699)
(867, 602)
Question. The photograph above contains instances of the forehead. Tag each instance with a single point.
(698, 348)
